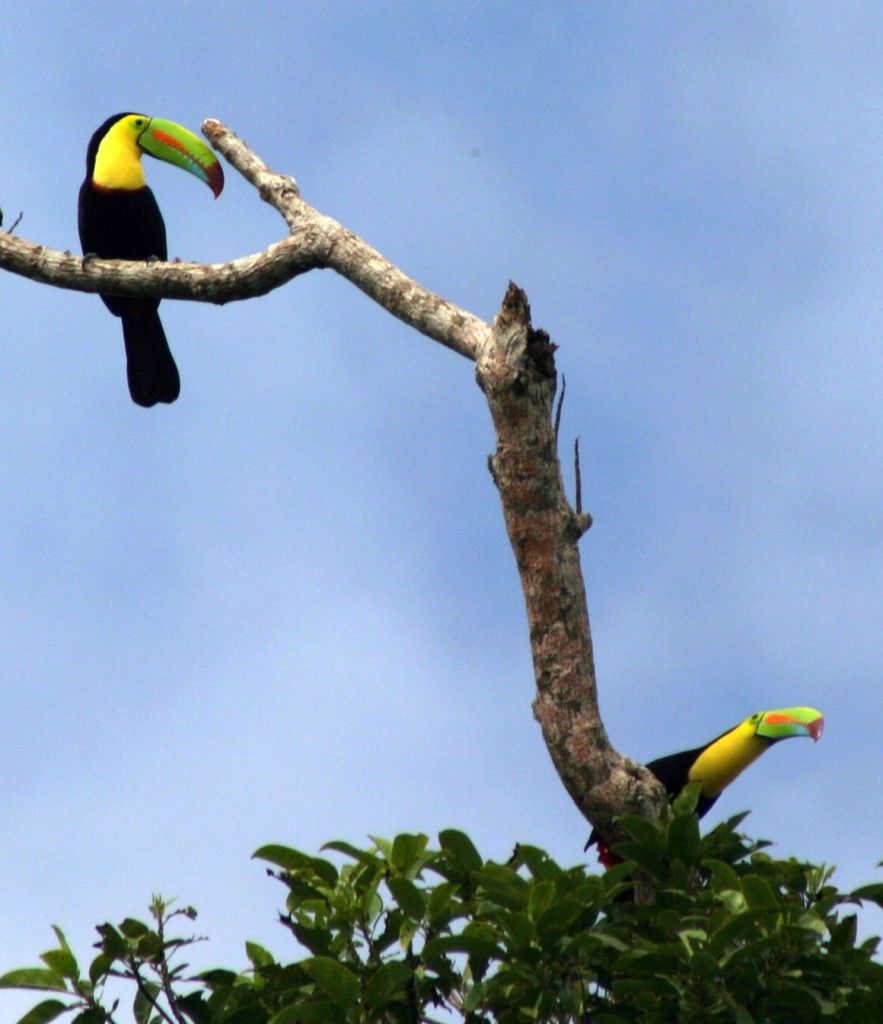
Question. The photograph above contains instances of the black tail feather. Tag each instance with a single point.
(153, 376)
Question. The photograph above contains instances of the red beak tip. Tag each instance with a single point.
(215, 175)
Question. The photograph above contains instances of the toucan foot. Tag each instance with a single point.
(88, 257)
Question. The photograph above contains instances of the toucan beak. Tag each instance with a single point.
(786, 722)
(176, 145)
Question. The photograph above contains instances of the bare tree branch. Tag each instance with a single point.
(315, 241)
(244, 278)
(515, 368)
(516, 371)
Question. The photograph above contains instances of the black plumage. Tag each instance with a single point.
(127, 224)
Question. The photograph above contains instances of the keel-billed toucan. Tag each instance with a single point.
(716, 764)
(119, 219)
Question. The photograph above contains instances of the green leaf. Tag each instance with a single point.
(692, 938)
(408, 897)
(281, 856)
(461, 846)
(316, 940)
(259, 956)
(34, 977)
(112, 943)
(758, 894)
(503, 885)
(722, 875)
(298, 863)
(193, 1007)
(336, 981)
(43, 1012)
(873, 892)
(684, 840)
(648, 847)
(149, 946)
(142, 1007)
(553, 922)
(733, 932)
(439, 902)
(742, 1016)
(62, 941)
(640, 856)
(684, 804)
(100, 967)
(646, 833)
(704, 964)
(588, 939)
(407, 850)
(537, 862)
(62, 961)
(617, 874)
(732, 900)
(317, 1011)
(475, 996)
(473, 945)
(541, 896)
(218, 978)
(407, 931)
(388, 979)
(133, 929)
(519, 929)
(362, 856)
(843, 934)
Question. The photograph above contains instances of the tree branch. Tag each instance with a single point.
(516, 371)
(314, 242)
(515, 368)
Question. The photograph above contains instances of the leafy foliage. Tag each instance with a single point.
(401, 933)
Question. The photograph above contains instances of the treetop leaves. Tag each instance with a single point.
(402, 932)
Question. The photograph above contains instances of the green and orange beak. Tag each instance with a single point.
(787, 722)
(176, 145)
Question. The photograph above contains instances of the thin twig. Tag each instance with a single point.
(144, 990)
(560, 404)
(579, 479)
(11, 229)
(163, 969)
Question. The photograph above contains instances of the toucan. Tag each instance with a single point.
(119, 219)
(717, 763)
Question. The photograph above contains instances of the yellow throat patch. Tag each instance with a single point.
(118, 160)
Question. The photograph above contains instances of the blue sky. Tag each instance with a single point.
(284, 609)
